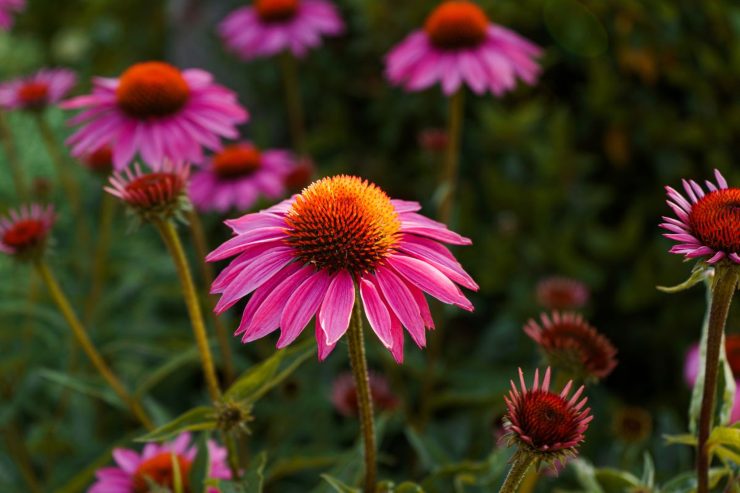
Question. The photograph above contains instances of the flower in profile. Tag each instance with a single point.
(99, 161)
(24, 232)
(459, 45)
(156, 195)
(572, 345)
(157, 111)
(7, 9)
(732, 350)
(305, 256)
(707, 223)
(239, 175)
(153, 468)
(632, 424)
(344, 394)
(38, 91)
(269, 27)
(545, 424)
(562, 293)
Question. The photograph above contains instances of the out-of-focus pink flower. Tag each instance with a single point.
(434, 139)
(344, 394)
(732, 349)
(25, 231)
(7, 9)
(36, 92)
(562, 293)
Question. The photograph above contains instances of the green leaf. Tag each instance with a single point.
(197, 419)
(586, 475)
(685, 439)
(408, 487)
(200, 469)
(648, 471)
(177, 473)
(725, 443)
(154, 377)
(698, 275)
(93, 388)
(429, 452)
(338, 485)
(254, 477)
(615, 480)
(260, 379)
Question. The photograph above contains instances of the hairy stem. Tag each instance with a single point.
(519, 466)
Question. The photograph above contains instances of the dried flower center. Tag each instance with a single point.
(343, 223)
(276, 10)
(158, 470)
(715, 219)
(25, 234)
(152, 90)
(732, 347)
(34, 94)
(547, 419)
(237, 161)
(457, 24)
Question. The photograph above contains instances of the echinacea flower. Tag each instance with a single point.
(152, 469)
(156, 195)
(344, 394)
(459, 45)
(707, 223)
(100, 161)
(269, 27)
(732, 350)
(562, 293)
(24, 232)
(7, 9)
(545, 424)
(239, 175)
(573, 345)
(305, 256)
(38, 91)
(300, 176)
(157, 111)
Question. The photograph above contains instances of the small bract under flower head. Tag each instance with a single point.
(551, 426)
(24, 232)
(572, 345)
(154, 196)
(707, 224)
(457, 24)
(344, 394)
(562, 293)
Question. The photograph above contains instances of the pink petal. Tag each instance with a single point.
(336, 309)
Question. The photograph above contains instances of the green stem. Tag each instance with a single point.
(222, 335)
(11, 153)
(293, 100)
(172, 241)
(107, 212)
(358, 363)
(87, 345)
(726, 279)
(59, 162)
(452, 155)
(520, 464)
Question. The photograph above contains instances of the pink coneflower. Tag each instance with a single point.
(344, 394)
(7, 9)
(547, 425)
(153, 467)
(732, 350)
(571, 344)
(158, 111)
(304, 257)
(38, 91)
(708, 223)
(300, 176)
(269, 27)
(238, 175)
(459, 45)
(562, 293)
(99, 161)
(25, 231)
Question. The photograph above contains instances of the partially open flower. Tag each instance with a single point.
(38, 91)
(24, 232)
(542, 423)
(156, 195)
(344, 394)
(562, 293)
(572, 345)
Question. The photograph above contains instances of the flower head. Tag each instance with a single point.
(157, 111)
(305, 256)
(344, 394)
(155, 195)
(239, 175)
(732, 351)
(707, 224)
(38, 91)
(7, 8)
(152, 469)
(459, 45)
(551, 426)
(562, 293)
(269, 27)
(24, 232)
(572, 345)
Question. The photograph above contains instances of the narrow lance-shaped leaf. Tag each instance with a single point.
(197, 419)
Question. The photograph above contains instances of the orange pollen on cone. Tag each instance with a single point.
(236, 161)
(33, 93)
(152, 90)
(457, 24)
(715, 220)
(732, 348)
(276, 10)
(25, 234)
(343, 223)
(159, 471)
(547, 419)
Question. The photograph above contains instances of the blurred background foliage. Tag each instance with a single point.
(565, 177)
